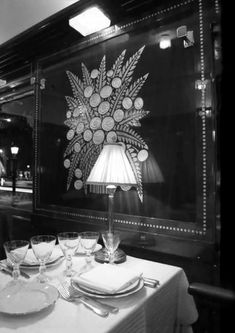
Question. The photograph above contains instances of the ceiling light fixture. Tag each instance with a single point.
(90, 21)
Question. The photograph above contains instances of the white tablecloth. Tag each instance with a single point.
(166, 309)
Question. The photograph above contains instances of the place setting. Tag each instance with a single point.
(32, 258)
(89, 283)
(20, 296)
(28, 293)
(95, 282)
(107, 280)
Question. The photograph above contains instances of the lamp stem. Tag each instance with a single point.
(111, 190)
(13, 180)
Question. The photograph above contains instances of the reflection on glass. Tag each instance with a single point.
(16, 126)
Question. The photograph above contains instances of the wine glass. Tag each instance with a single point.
(43, 246)
(89, 240)
(16, 251)
(69, 242)
(111, 242)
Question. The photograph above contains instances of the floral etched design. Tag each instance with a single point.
(105, 107)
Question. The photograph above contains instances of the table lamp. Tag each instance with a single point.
(112, 169)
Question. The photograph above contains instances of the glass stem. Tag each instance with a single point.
(69, 265)
(111, 258)
(16, 272)
(42, 268)
(88, 257)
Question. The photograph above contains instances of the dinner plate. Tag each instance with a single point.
(32, 262)
(135, 287)
(22, 299)
(81, 251)
(48, 264)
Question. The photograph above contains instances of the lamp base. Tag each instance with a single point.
(102, 256)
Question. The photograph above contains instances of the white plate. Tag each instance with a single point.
(48, 264)
(26, 298)
(80, 249)
(136, 286)
(32, 262)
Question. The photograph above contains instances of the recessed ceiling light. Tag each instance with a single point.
(90, 21)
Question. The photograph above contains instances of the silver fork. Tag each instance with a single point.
(92, 305)
(75, 293)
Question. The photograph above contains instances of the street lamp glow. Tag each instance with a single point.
(14, 150)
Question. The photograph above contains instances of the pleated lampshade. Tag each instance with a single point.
(112, 167)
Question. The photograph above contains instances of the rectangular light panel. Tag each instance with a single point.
(90, 21)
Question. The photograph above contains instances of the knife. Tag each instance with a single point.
(152, 283)
(9, 270)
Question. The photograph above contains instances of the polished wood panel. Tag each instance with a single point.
(54, 33)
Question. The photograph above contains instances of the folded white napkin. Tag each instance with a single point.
(30, 258)
(108, 278)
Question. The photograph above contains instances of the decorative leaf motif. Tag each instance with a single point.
(70, 146)
(117, 66)
(75, 159)
(118, 97)
(90, 160)
(130, 136)
(76, 84)
(86, 156)
(101, 79)
(83, 150)
(133, 115)
(71, 123)
(86, 76)
(136, 86)
(75, 162)
(87, 116)
(134, 123)
(132, 156)
(88, 112)
(72, 102)
(77, 88)
(130, 65)
(140, 191)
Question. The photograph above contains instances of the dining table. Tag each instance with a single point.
(165, 308)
